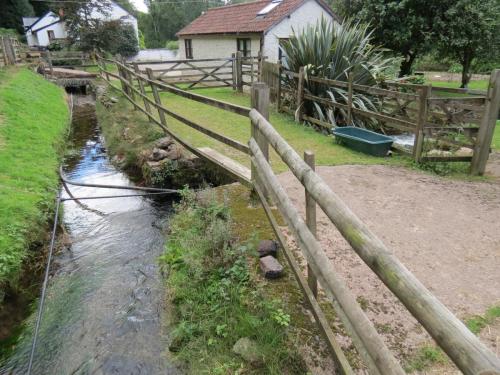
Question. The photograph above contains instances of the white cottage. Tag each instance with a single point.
(251, 28)
(41, 31)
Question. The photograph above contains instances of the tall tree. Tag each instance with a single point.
(468, 31)
(40, 7)
(12, 12)
(404, 26)
(165, 18)
(80, 15)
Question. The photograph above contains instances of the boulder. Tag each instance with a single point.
(164, 143)
(158, 154)
(174, 152)
(267, 247)
(271, 268)
(248, 350)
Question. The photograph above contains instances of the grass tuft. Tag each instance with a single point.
(478, 322)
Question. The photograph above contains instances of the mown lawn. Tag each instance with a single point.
(300, 137)
(481, 84)
(33, 121)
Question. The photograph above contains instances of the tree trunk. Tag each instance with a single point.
(406, 64)
(466, 63)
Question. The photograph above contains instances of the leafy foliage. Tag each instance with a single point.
(334, 51)
(12, 11)
(405, 27)
(167, 18)
(111, 36)
(469, 40)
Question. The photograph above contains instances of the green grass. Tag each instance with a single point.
(425, 357)
(474, 85)
(33, 121)
(300, 137)
(127, 133)
(478, 322)
(215, 301)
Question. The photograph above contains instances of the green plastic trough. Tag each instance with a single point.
(363, 140)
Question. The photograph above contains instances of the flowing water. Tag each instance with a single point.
(104, 305)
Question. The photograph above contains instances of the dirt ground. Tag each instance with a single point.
(446, 232)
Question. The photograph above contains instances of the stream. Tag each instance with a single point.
(104, 308)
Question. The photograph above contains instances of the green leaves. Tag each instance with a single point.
(333, 51)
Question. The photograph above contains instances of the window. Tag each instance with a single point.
(51, 34)
(243, 46)
(281, 53)
(269, 7)
(189, 48)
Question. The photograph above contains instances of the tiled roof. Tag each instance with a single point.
(242, 18)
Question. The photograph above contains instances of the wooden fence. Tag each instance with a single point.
(10, 51)
(460, 121)
(235, 71)
(464, 348)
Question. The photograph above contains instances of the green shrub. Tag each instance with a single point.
(172, 45)
(334, 51)
(110, 36)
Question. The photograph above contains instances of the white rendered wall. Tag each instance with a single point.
(307, 14)
(216, 46)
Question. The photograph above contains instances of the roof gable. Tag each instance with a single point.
(242, 18)
(48, 14)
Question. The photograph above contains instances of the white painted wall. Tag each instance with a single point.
(41, 37)
(217, 46)
(214, 46)
(308, 14)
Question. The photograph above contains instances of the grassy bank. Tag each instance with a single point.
(127, 132)
(216, 299)
(33, 120)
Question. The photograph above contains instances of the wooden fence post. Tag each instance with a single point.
(300, 96)
(260, 65)
(424, 94)
(278, 89)
(349, 99)
(143, 92)
(239, 71)
(156, 96)
(487, 127)
(260, 101)
(233, 67)
(312, 281)
(8, 51)
(49, 60)
(121, 75)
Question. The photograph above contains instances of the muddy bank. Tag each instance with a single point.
(144, 151)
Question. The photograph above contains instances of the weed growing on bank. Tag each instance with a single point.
(215, 302)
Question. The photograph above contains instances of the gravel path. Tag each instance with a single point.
(446, 232)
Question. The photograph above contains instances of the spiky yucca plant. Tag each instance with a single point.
(332, 50)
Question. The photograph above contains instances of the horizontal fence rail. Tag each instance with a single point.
(236, 71)
(133, 84)
(462, 346)
(452, 122)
